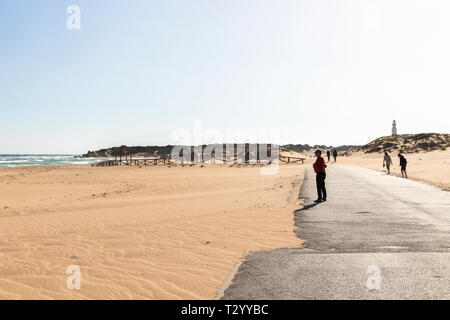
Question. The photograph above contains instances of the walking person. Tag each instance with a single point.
(328, 155)
(387, 161)
(335, 155)
(403, 164)
(319, 168)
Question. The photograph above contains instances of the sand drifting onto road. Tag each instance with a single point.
(431, 167)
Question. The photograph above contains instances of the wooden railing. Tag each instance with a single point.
(168, 161)
(136, 162)
(288, 159)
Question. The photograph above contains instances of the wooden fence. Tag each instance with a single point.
(212, 160)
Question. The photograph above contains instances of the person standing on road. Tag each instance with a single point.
(319, 168)
(403, 163)
(387, 161)
(335, 155)
(328, 155)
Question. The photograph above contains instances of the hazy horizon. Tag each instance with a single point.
(321, 72)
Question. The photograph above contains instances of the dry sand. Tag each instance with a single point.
(138, 233)
(431, 167)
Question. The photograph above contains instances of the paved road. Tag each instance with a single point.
(377, 237)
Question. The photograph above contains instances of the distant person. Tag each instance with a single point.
(319, 167)
(403, 163)
(335, 155)
(328, 155)
(387, 162)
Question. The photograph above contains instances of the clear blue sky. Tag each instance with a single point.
(320, 72)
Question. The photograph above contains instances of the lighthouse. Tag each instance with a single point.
(394, 128)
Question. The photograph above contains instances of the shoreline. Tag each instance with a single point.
(14, 161)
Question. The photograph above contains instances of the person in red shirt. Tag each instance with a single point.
(319, 167)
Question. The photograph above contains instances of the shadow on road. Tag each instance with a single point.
(307, 207)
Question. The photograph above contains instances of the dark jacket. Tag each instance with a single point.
(403, 161)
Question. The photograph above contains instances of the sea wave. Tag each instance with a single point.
(15, 160)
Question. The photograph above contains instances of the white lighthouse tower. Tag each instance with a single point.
(394, 128)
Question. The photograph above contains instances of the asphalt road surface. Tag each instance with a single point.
(377, 237)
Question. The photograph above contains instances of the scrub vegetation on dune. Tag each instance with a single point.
(408, 143)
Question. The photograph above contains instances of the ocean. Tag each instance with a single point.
(17, 160)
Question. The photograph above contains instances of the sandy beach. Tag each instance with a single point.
(138, 233)
(431, 167)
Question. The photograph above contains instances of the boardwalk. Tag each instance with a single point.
(168, 161)
(135, 162)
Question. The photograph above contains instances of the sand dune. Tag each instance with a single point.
(431, 167)
(138, 233)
